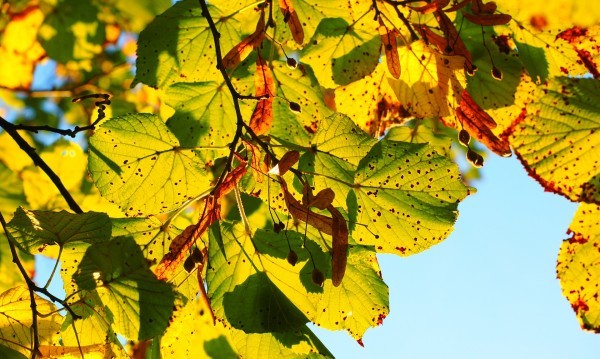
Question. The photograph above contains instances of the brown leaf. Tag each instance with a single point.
(181, 244)
(257, 164)
(479, 124)
(203, 294)
(433, 6)
(390, 46)
(458, 6)
(291, 18)
(302, 213)
(339, 246)
(488, 19)
(480, 8)
(240, 51)
(453, 44)
(262, 117)
(286, 162)
(322, 200)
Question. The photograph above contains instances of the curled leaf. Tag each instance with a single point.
(286, 162)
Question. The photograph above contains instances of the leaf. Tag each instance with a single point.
(431, 84)
(381, 106)
(139, 304)
(11, 191)
(74, 33)
(138, 164)
(431, 7)
(557, 138)
(65, 158)
(339, 248)
(291, 18)
(240, 51)
(138, 13)
(34, 230)
(584, 42)
(19, 48)
(337, 46)
(286, 162)
(262, 117)
(181, 32)
(390, 47)
(406, 197)
(488, 19)
(16, 320)
(451, 43)
(241, 294)
(578, 267)
(359, 303)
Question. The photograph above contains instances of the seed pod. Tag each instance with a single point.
(464, 138)
(496, 73)
(317, 277)
(277, 227)
(292, 63)
(189, 264)
(295, 107)
(197, 256)
(292, 257)
(474, 158)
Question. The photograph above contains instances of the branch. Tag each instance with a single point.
(39, 162)
(396, 4)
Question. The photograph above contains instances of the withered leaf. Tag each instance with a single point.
(262, 117)
(240, 51)
(488, 19)
(452, 44)
(390, 47)
(479, 124)
(291, 17)
(286, 162)
(433, 6)
(339, 247)
(304, 214)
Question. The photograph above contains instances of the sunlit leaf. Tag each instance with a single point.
(578, 266)
(340, 53)
(137, 163)
(139, 13)
(139, 304)
(431, 83)
(182, 33)
(240, 292)
(16, 320)
(11, 191)
(558, 138)
(74, 33)
(34, 230)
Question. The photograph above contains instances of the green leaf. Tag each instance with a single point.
(16, 320)
(183, 35)
(137, 163)
(73, 33)
(406, 197)
(359, 303)
(139, 303)
(239, 290)
(149, 233)
(138, 13)
(534, 60)
(423, 131)
(340, 53)
(578, 267)
(6, 352)
(11, 191)
(34, 230)
(559, 137)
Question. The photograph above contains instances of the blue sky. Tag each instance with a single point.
(489, 290)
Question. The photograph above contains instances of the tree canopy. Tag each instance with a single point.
(212, 176)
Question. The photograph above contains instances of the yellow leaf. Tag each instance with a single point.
(578, 266)
(11, 154)
(430, 84)
(20, 49)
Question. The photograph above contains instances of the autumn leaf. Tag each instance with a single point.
(431, 7)
(488, 19)
(390, 47)
(264, 85)
(240, 51)
(578, 266)
(291, 18)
